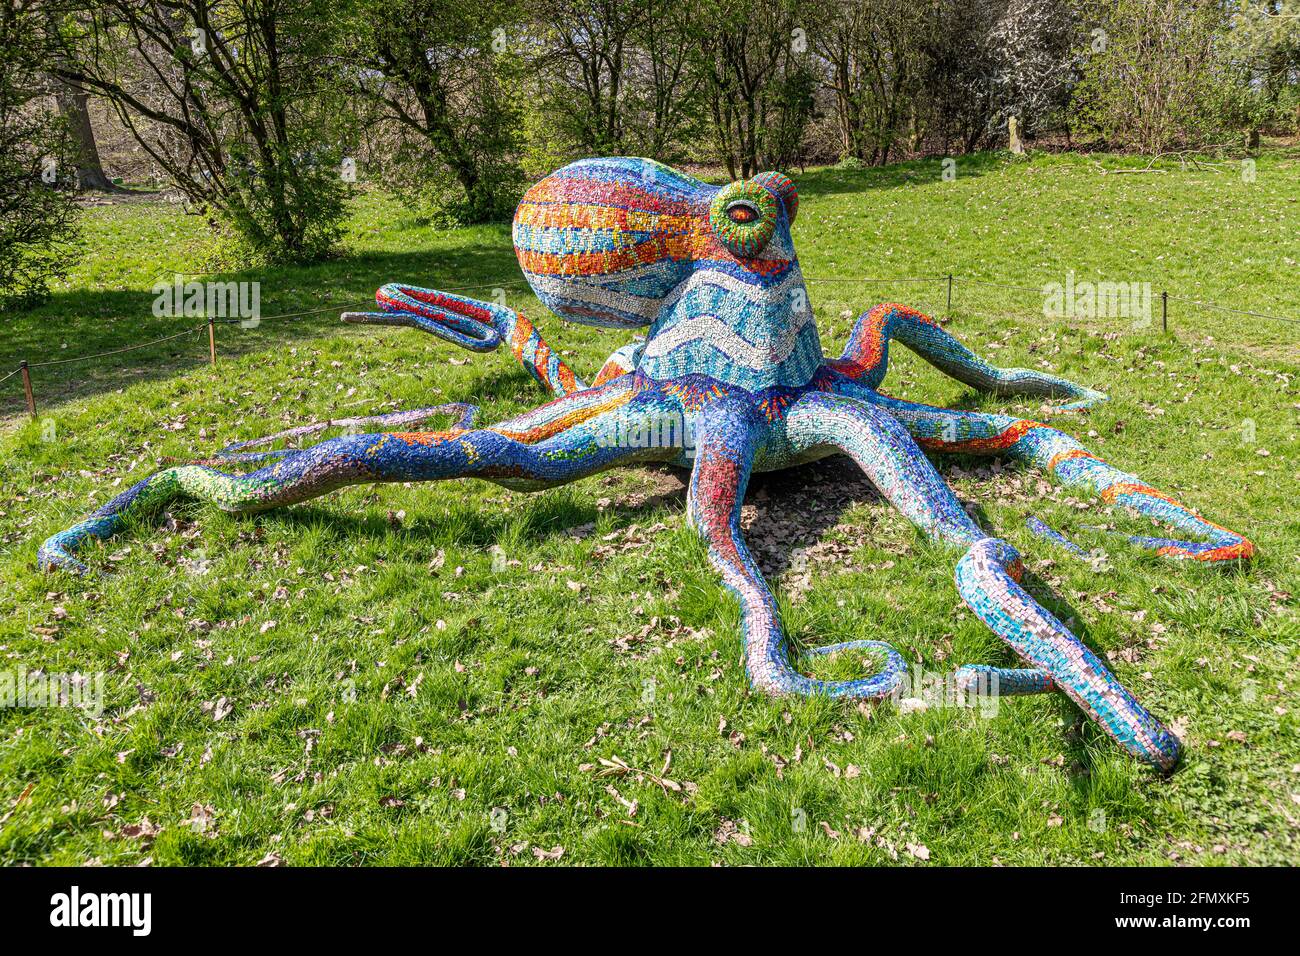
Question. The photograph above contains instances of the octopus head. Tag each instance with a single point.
(630, 242)
(610, 242)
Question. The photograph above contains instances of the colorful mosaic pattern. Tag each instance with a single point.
(730, 379)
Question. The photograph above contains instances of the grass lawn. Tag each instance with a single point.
(364, 679)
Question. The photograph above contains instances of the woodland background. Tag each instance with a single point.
(264, 117)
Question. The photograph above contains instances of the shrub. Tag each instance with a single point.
(38, 224)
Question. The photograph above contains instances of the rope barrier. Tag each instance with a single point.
(950, 280)
(127, 348)
(1224, 308)
(837, 279)
(999, 285)
(1024, 288)
(362, 305)
(297, 315)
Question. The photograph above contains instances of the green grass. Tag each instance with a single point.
(414, 701)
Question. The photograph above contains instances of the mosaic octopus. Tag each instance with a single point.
(730, 379)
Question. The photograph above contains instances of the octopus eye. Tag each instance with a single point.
(743, 216)
(742, 212)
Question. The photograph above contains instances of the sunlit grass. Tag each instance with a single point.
(396, 696)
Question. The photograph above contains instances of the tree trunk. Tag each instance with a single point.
(72, 104)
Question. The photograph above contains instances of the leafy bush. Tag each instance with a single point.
(440, 89)
(38, 225)
(1154, 76)
(231, 102)
(285, 210)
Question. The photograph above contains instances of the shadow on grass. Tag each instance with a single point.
(816, 494)
(77, 323)
(919, 172)
(73, 324)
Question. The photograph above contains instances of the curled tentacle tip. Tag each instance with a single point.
(1240, 550)
(776, 675)
(54, 558)
(1048, 533)
(466, 413)
(1084, 403)
(824, 649)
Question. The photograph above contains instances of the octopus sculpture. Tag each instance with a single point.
(730, 378)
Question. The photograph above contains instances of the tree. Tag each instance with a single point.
(1264, 44)
(616, 77)
(228, 99)
(758, 80)
(37, 211)
(662, 107)
(445, 86)
(76, 115)
(1153, 74)
(588, 52)
(874, 56)
(1034, 64)
(960, 69)
(900, 73)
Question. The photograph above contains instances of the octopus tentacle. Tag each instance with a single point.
(469, 323)
(987, 575)
(728, 436)
(866, 358)
(988, 581)
(567, 410)
(620, 362)
(559, 450)
(1058, 454)
(237, 451)
(1009, 681)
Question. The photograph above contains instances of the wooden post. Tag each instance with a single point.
(27, 388)
(1164, 310)
(212, 341)
(950, 295)
(1013, 137)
